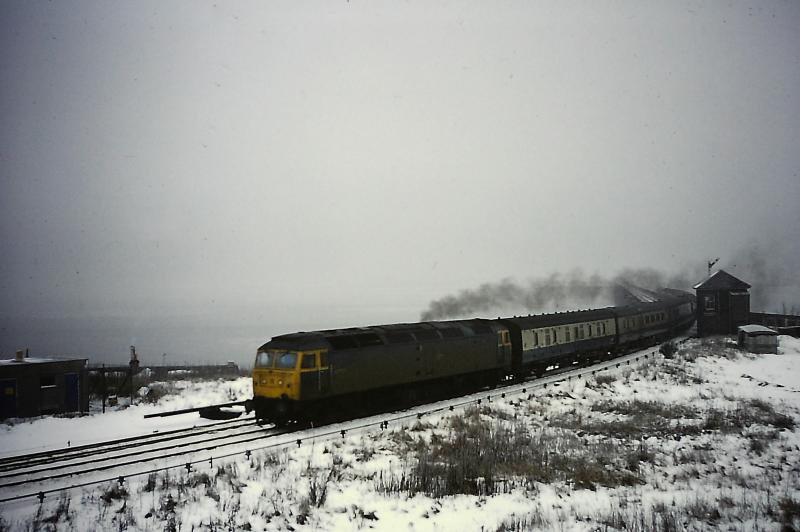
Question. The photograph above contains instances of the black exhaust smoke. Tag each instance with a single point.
(553, 293)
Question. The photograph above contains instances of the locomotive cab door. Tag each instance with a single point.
(324, 374)
(315, 375)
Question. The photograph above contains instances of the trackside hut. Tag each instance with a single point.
(35, 386)
(758, 339)
(723, 304)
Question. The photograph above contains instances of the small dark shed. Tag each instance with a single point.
(36, 386)
(758, 339)
(723, 304)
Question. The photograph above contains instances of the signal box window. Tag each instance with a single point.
(309, 361)
(709, 303)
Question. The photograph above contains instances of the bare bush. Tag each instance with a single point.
(479, 457)
(605, 378)
(116, 492)
(744, 414)
(789, 513)
(668, 349)
(522, 523)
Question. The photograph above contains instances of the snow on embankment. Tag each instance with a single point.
(705, 439)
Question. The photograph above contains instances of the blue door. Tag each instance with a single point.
(72, 401)
(8, 398)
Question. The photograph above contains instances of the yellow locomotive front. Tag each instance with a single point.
(286, 380)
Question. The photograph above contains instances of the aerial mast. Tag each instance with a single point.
(712, 263)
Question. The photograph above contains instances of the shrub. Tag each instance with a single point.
(115, 492)
(668, 349)
(789, 513)
(605, 378)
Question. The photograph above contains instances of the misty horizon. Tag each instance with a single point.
(197, 179)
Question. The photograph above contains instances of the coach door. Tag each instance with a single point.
(503, 348)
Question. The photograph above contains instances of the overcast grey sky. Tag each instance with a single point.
(239, 159)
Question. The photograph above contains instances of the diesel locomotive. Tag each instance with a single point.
(313, 375)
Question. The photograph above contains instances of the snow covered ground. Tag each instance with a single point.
(43, 433)
(707, 439)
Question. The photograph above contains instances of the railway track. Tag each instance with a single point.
(16, 462)
(96, 460)
(42, 473)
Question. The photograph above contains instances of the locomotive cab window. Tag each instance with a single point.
(309, 361)
(265, 359)
(287, 360)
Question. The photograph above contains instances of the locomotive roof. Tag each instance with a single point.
(319, 339)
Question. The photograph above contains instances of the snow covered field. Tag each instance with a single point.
(704, 440)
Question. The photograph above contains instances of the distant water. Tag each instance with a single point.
(108, 340)
(190, 340)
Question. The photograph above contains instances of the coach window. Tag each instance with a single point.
(555, 336)
(536, 338)
(505, 339)
(309, 361)
(547, 338)
(566, 334)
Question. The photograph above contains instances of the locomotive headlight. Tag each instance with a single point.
(280, 383)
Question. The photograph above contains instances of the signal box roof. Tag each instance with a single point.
(722, 280)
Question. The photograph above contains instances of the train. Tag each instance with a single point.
(308, 376)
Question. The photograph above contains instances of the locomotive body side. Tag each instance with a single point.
(307, 372)
(411, 353)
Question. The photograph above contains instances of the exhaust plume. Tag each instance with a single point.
(553, 293)
(770, 269)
